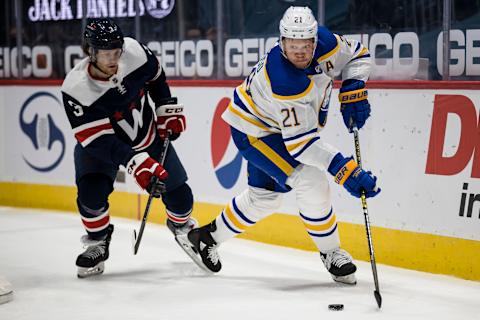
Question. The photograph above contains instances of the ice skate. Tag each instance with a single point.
(206, 255)
(180, 232)
(92, 261)
(181, 237)
(184, 228)
(340, 265)
(6, 291)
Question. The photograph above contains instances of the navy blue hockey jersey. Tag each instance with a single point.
(112, 119)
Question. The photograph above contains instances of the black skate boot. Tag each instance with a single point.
(340, 265)
(206, 247)
(91, 262)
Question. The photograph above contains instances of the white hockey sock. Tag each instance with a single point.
(323, 230)
(244, 211)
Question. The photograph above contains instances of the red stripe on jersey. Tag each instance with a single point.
(88, 132)
(97, 224)
(151, 137)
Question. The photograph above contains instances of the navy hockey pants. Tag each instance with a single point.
(94, 179)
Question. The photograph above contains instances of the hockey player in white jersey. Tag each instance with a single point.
(107, 101)
(276, 118)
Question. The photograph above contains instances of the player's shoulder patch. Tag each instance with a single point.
(327, 44)
(286, 81)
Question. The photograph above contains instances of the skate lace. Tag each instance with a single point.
(213, 254)
(94, 252)
(337, 258)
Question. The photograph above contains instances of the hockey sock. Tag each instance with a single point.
(322, 229)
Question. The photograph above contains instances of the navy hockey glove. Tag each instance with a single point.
(347, 173)
(148, 173)
(353, 103)
(170, 119)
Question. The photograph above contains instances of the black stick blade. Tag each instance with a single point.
(134, 242)
(378, 297)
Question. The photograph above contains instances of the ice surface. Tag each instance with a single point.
(38, 249)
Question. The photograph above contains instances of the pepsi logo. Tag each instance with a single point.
(226, 159)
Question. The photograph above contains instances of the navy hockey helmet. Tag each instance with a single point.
(101, 34)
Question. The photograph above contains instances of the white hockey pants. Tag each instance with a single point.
(312, 192)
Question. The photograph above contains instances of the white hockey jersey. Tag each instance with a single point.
(278, 98)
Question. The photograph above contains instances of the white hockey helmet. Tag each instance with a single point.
(298, 23)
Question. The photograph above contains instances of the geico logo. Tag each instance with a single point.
(37, 62)
(242, 54)
(185, 58)
(468, 146)
(463, 55)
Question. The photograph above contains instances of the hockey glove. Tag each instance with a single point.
(148, 173)
(170, 119)
(347, 173)
(354, 104)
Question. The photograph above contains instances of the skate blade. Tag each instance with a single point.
(88, 272)
(349, 279)
(183, 242)
(6, 297)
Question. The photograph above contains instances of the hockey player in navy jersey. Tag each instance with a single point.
(107, 98)
(276, 117)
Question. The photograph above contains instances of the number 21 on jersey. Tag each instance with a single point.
(289, 117)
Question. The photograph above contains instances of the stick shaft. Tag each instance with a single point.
(367, 222)
(138, 239)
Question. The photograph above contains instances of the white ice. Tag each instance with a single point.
(38, 249)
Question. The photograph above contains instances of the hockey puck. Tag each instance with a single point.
(335, 307)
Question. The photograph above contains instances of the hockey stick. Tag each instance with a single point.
(376, 293)
(137, 239)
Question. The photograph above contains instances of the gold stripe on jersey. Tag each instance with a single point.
(271, 155)
(246, 117)
(253, 108)
(292, 97)
(294, 146)
(331, 52)
(362, 52)
(323, 226)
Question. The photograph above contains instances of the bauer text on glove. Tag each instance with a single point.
(347, 173)
(353, 103)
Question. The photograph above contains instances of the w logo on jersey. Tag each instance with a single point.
(132, 130)
(226, 160)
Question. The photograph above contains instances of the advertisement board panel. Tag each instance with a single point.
(424, 146)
